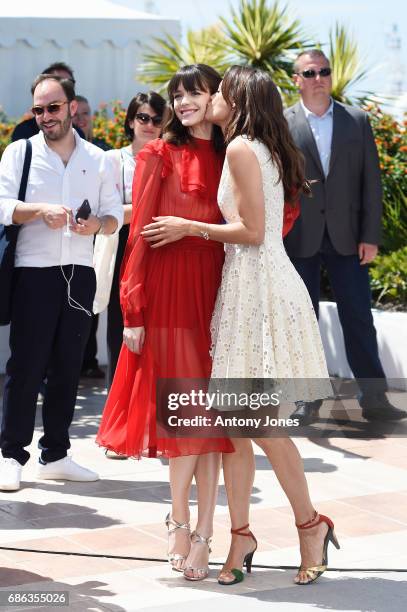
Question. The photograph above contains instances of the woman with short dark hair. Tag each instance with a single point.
(144, 122)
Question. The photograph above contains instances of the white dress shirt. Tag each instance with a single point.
(321, 127)
(124, 164)
(87, 175)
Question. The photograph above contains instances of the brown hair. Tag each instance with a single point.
(66, 84)
(257, 112)
(195, 76)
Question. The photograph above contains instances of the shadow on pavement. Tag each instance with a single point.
(139, 491)
(82, 597)
(59, 514)
(311, 464)
(365, 594)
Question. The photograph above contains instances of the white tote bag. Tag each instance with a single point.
(104, 259)
(104, 255)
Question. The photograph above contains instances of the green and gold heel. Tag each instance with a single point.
(247, 561)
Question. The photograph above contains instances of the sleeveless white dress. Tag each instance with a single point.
(264, 324)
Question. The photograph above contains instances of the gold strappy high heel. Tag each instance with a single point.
(202, 571)
(316, 571)
(172, 526)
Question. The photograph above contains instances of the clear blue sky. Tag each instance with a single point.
(369, 20)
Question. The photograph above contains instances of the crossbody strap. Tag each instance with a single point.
(26, 170)
(122, 169)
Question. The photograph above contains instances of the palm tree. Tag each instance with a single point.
(201, 47)
(262, 35)
(257, 34)
(347, 68)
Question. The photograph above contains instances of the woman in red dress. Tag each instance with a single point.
(167, 298)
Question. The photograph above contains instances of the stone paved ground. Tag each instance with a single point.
(362, 484)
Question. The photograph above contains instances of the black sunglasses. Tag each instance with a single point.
(52, 108)
(144, 118)
(311, 74)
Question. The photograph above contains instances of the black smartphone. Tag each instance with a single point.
(83, 211)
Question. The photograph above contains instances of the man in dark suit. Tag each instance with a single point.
(340, 226)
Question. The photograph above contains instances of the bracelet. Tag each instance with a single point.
(204, 234)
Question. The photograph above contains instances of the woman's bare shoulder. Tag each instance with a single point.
(239, 153)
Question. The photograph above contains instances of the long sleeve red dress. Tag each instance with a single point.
(171, 291)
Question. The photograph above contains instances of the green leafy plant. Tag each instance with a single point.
(391, 142)
(388, 275)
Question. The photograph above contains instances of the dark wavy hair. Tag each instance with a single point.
(195, 76)
(257, 112)
(153, 99)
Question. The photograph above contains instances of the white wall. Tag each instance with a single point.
(391, 330)
(105, 65)
(391, 334)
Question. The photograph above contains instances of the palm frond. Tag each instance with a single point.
(163, 61)
(347, 68)
(264, 36)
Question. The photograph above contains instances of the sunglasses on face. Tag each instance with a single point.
(144, 119)
(52, 108)
(311, 74)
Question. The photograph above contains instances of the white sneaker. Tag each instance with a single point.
(10, 474)
(65, 469)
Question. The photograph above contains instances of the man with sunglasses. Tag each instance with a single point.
(340, 226)
(29, 127)
(54, 279)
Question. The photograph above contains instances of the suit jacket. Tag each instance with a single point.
(348, 202)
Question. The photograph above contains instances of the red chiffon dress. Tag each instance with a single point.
(171, 291)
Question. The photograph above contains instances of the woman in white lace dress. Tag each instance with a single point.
(263, 325)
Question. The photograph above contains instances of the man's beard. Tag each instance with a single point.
(60, 130)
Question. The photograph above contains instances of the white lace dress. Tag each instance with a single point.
(264, 325)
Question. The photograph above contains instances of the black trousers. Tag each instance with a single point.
(114, 312)
(351, 288)
(47, 340)
(91, 348)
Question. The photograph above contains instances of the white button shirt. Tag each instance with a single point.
(87, 175)
(321, 127)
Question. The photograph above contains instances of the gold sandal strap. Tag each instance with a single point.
(175, 524)
(197, 537)
(200, 538)
(176, 557)
(315, 569)
(203, 570)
